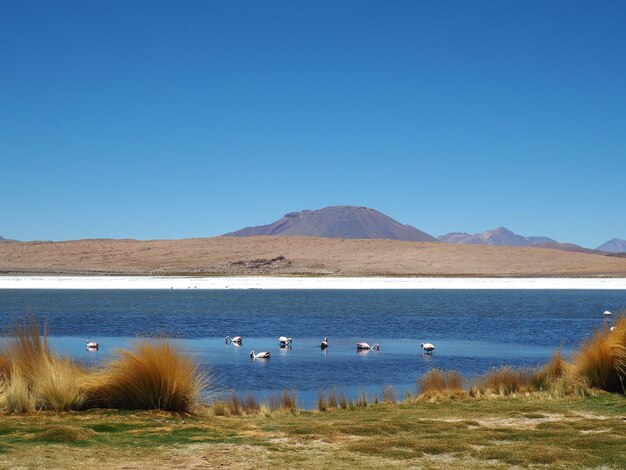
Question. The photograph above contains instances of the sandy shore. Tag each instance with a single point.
(262, 282)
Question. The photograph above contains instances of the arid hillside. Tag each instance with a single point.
(298, 256)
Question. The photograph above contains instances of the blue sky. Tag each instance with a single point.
(150, 119)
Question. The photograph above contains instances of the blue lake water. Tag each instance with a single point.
(473, 330)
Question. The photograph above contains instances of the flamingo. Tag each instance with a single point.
(324, 343)
(237, 340)
(92, 346)
(363, 346)
(261, 355)
(607, 313)
(428, 347)
(285, 342)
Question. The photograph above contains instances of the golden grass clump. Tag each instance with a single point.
(437, 380)
(5, 364)
(156, 375)
(56, 385)
(322, 403)
(504, 380)
(16, 396)
(28, 347)
(235, 406)
(34, 377)
(601, 360)
(550, 375)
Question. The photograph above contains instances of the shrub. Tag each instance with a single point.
(547, 377)
(52, 382)
(437, 380)
(156, 375)
(16, 395)
(505, 380)
(601, 360)
(56, 385)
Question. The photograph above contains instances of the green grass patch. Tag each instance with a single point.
(465, 433)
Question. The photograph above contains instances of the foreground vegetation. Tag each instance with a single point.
(566, 414)
(533, 430)
(157, 374)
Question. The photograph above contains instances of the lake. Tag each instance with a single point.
(473, 330)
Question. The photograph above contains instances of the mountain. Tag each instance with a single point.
(455, 237)
(540, 240)
(616, 245)
(567, 247)
(499, 236)
(502, 236)
(338, 222)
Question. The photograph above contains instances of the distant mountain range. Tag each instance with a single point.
(338, 222)
(365, 223)
(616, 245)
(501, 236)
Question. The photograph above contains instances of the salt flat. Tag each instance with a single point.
(268, 282)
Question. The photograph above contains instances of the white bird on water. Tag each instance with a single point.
(261, 355)
(92, 346)
(324, 343)
(428, 347)
(364, 346)
(607, 313)
(236, 340)
(285, 342)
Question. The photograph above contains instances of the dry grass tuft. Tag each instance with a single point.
(343, 402)
(5, 364)
(56, 385)
(361, 399)
(549, 377)
(235, 406)
(35, 377)
(286, 401)
(601, 360)
(156, 375)
(322, 403)
(437, 380)
(504, 380)
(16, 397)
(389, 394)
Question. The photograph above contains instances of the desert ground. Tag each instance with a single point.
(298, 256)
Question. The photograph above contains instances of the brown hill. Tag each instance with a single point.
(338, 222)
(298, 255)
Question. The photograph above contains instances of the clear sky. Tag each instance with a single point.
(149, 119)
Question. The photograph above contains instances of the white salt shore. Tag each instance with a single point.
(262, 282)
